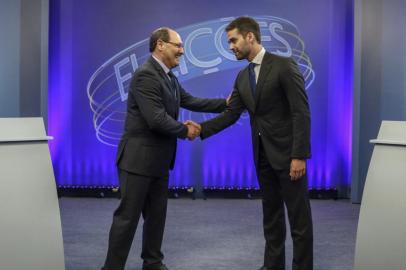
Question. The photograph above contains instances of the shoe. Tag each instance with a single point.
(161, 267)
(263, 268)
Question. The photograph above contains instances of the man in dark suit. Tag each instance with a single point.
(147, 150)
(272, 90)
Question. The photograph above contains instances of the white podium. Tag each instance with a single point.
(381, 236)
(30, 225)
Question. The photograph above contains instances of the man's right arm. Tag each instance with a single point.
(228, 117)
(146, 90)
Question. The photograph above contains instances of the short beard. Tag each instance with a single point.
(242, 55)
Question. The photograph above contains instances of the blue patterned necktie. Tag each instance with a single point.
(251, 73)
(173, 83)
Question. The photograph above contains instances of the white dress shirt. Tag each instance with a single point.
(258, 61)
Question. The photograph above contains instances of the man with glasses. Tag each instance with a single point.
(147, 150)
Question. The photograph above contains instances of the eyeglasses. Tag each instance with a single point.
(177, 45)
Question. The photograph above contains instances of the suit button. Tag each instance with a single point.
(259, 133)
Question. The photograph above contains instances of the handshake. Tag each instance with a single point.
(193, 129)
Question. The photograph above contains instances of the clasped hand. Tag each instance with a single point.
(193, 129)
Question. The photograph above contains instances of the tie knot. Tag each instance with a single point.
(251, 65)
(171, 75)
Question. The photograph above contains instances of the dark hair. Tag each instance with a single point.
(160, 33)
(245, 25)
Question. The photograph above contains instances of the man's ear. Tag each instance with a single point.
(250, 36)
(160, 45)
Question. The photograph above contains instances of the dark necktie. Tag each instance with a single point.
(174, 85)
(251, 73)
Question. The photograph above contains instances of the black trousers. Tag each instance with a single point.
(139, 195)
(278, 190)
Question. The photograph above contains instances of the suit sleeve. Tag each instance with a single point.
(293, 84)
(214, 105)
(146, 90)
(228, 117)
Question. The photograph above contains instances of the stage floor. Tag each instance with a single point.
(213, 234)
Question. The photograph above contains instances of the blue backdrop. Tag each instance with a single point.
(96, 45)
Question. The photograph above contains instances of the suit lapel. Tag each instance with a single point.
(162, 74)
(266, 67)
(167, 85)
(246, 90)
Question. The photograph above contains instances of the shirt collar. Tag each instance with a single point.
(163, 66)
(259, 57)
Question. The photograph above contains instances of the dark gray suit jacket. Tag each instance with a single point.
(148, 145)
(279, 111)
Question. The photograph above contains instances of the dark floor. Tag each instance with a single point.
(216, 234)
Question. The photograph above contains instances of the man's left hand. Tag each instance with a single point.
(297, 169)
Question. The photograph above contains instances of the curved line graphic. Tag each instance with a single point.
(107, 90)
